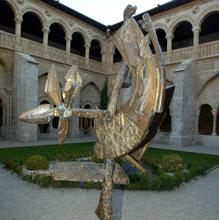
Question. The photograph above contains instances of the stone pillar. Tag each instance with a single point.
(68, 44)
(184, 104)
(68, 49)
(196, 32)
(74, 131)
(18, 22)
(45, 39)
(214, 113)
(87, 53)
(104, 54)
(109, 52)
(25, 94)
(169, 38)
(197, 122)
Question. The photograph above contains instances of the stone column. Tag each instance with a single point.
(104, 54)
(214, 113)
(87, 53)
(196, 32)
(68, 48)
(18, 22)
(74, 131)
(184, 104)
(45, 39)
(197, 122)
(169, 38)
(109, 52)
(68, 44)
(25, 94)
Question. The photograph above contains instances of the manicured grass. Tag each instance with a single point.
(52, 152)
(188, 158)
(192, 165)
(68, 151)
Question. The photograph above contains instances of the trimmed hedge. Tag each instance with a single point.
(37, 162)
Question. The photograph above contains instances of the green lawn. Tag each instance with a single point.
(194, 164)
(52, 152)
(188, 158)
(68, 151)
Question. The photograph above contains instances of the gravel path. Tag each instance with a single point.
(197, 200)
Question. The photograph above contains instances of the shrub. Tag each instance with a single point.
(197, 169)
(10, 164)
(156, 183)
(179, 177)
(171, 162)
(95, 159)
(167, 182)
(150, 161)
(37, 162)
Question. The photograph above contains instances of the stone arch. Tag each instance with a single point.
(7, 17)
(4, 76)
(41, 86)
(166, 125)
(205, 13)
(162, 26)
(209, 29)
(161, 35)
(44, 99)
(182, 34)
(180, 20)
(32, 26)
(13, 5)
(63, 24)
(90, 94)
(82, 32)
(209, 92)
(117, 57)
(78, 44)
(98, 38)
(95, 50)
(38, 13)
(5, 64)
(206, 120)
(57, 35)
(212, 78)
(87, 123)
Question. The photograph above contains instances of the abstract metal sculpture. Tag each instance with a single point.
(138, 103)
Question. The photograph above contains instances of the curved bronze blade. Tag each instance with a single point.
(63, 129)
(72, 85)
(52, 88)
(39, 115)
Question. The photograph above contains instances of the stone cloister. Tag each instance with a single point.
(36, 33)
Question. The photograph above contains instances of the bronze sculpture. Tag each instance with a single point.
(136, 108)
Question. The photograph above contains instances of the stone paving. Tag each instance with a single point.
(197, 200)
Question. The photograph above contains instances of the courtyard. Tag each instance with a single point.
(196, 200)
(108, 109)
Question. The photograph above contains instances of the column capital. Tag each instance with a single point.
(196, 29)
(87, 45)
(18, 19)
(214, 112)
(169, 36)
(103, 50)
(45, 30)
(68, 38)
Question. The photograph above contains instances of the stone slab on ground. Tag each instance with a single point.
(197, 200)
